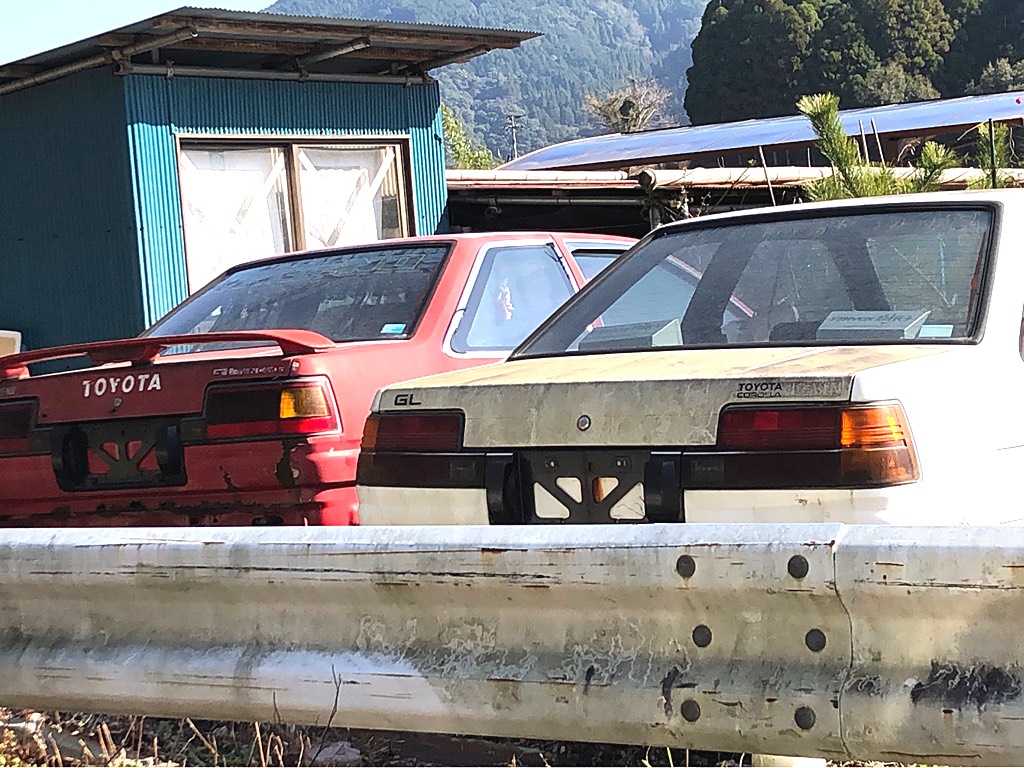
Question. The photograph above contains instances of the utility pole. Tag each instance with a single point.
(513, 129)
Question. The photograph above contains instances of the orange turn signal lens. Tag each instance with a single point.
(877, 449)
(873, 427)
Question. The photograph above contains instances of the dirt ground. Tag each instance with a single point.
(63, 739)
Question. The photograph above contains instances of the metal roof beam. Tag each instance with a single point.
(316, 57)
(330, 32)
(454, 58)
(266, 74)
(110, 57)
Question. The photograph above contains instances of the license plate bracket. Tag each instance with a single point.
(566, 486)
(114, 455)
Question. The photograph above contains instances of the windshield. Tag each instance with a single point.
(349, 296)
(905, 275)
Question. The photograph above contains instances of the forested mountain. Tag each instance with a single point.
(751, 58)
(754, 58)
(588, 47)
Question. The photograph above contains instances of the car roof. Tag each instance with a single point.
(961, 197)
(448, 239)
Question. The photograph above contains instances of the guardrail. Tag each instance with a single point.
(846, 642)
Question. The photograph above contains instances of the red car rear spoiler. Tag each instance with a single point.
(142, 350)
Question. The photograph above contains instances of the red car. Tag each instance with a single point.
(245, 405)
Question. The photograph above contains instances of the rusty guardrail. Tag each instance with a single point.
(846, 642)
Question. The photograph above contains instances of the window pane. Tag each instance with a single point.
(353, 296)
(592, 263)
(350, 195)
(895, 276)
(516, 289)
(235, 208)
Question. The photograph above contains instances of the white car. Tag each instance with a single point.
(856, 361)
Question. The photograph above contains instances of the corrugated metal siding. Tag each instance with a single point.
(68, 269)
(161, 247)
(158, 108)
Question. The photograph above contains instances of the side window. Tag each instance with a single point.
(517, 288)
(592, 258)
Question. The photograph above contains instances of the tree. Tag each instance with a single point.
(987, 31)
(840, 56)
(854, 176)
(748, 58)
(634, 107)
(891, 83)
(460, 152)
(915, 34)
(999, 76)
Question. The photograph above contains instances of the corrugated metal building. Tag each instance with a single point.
(140, 163)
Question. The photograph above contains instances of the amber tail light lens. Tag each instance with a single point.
(301, 407)
(16, 422)
(816, 446)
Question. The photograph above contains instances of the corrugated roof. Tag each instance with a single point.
(274, 43)
(673, 144)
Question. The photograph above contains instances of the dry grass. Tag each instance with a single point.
(72, 740)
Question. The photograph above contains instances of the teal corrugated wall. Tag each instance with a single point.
(158, 108)
(68, 267)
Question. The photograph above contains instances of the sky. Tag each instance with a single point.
(34, 26)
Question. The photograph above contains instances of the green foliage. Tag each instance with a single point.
(753, 58)
(852, 174)
(994, 153)
(913, 33)
(748, 58)
(891, 83)
(588, 47)
(460, 151)
(999, 76)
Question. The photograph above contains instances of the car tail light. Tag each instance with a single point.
(754, 429)
(16, 422)
(819, 446)
(418, 450)
(439, 432)
(301, 407)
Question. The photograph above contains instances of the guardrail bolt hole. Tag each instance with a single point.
(798, 566)
(805, 718)
(702, 636)
(685, 566)
(690, 710)
(815, 640)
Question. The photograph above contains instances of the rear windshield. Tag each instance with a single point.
(901, 275)
(350, 296)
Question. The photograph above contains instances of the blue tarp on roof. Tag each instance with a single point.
(619, 149)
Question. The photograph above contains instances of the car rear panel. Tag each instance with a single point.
(142, 455)
(638, 437)
(636, 399)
